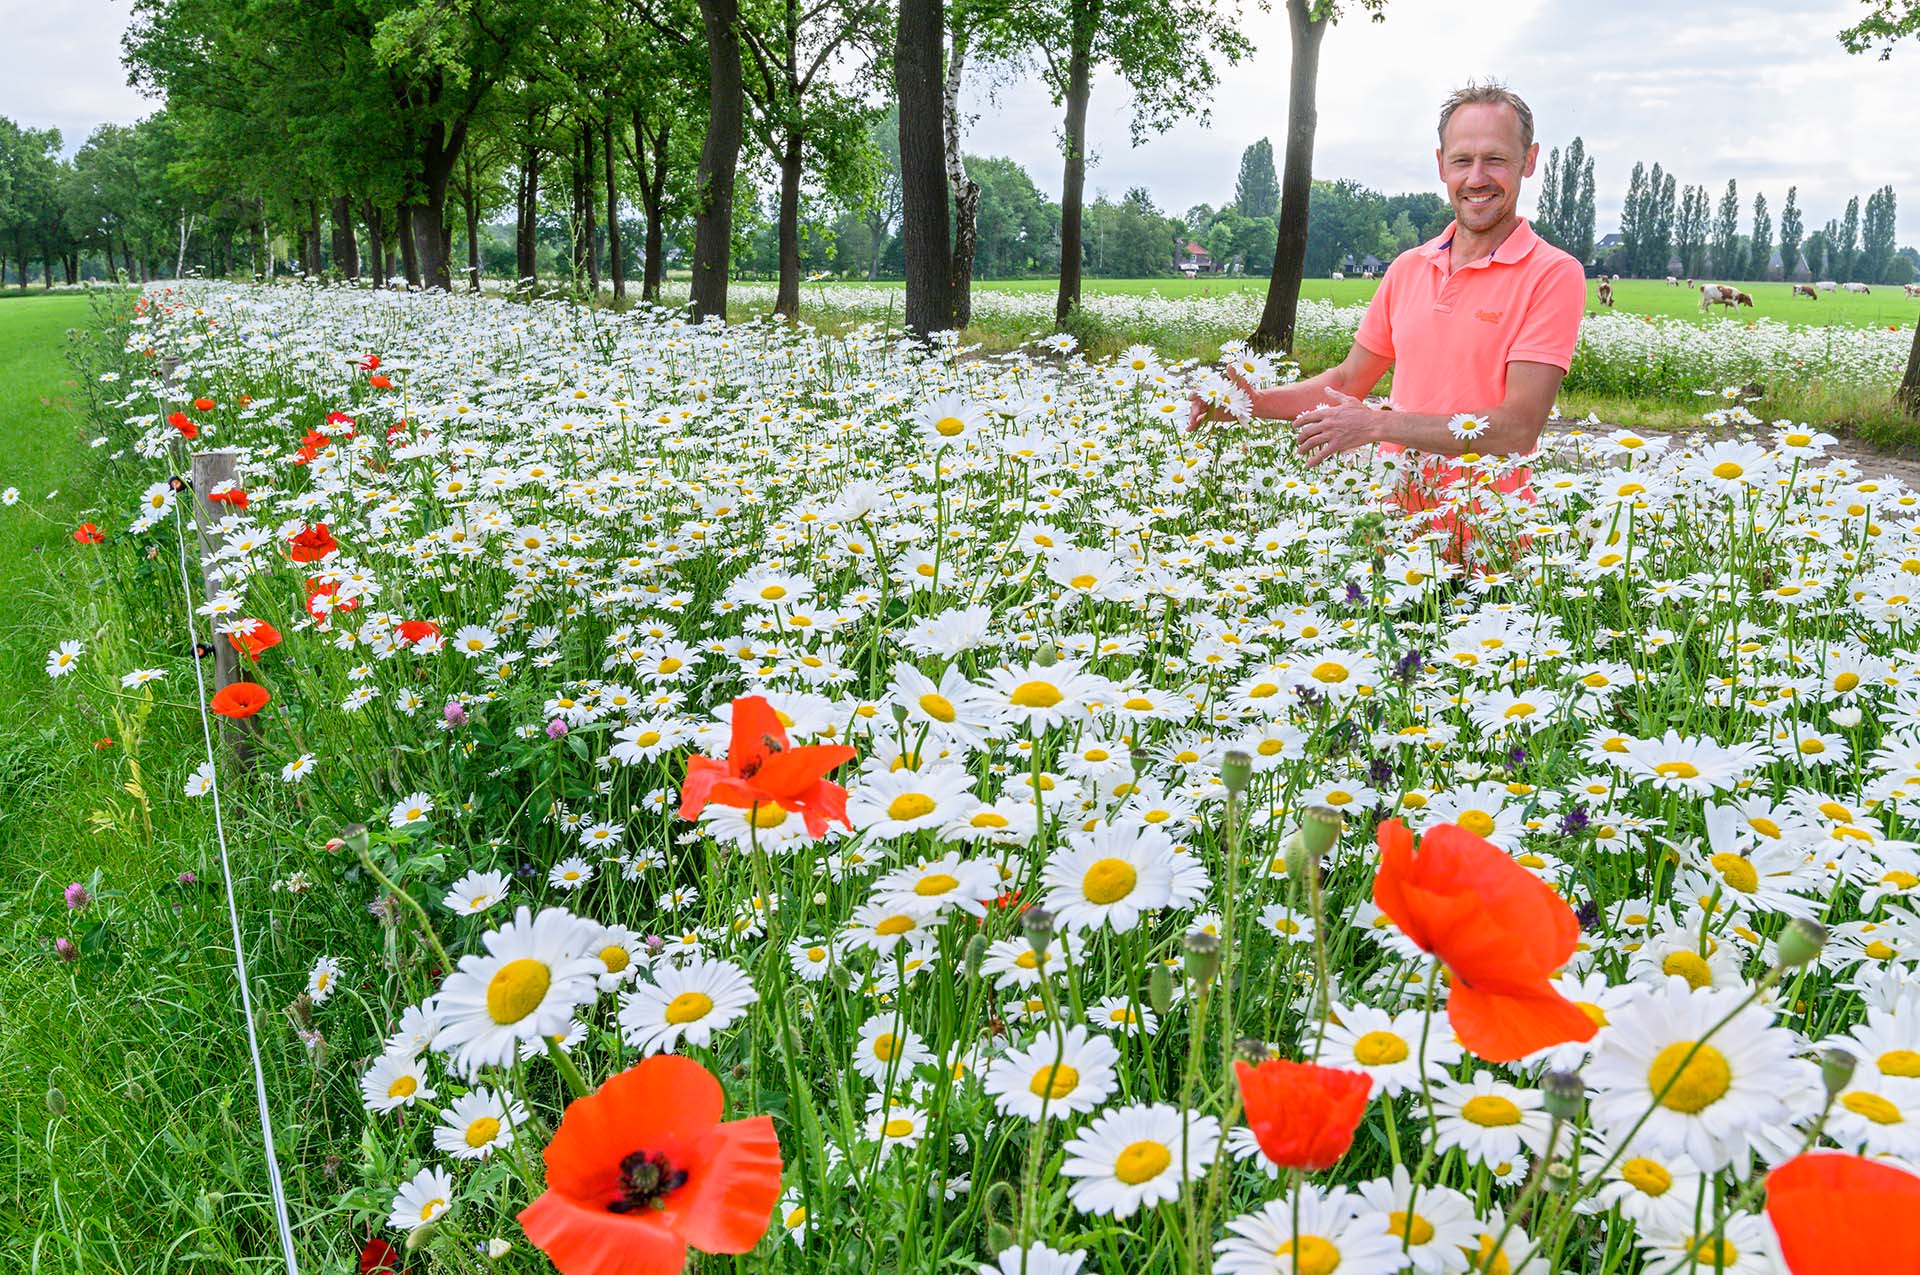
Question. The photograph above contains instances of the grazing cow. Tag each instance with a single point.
(1606, 293)
(1859, 289)
(1826, 285)
(1337, 276)
(1911, 289)
(1672, 282)
(1689, 285)
(1806, 290)
(1712, 294)
(1368, 276)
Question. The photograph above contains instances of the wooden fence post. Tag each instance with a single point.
(212, 470)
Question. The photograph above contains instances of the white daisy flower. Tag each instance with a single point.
(1130, 1157)
(688, 1003)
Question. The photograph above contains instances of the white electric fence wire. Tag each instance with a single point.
(233, 908)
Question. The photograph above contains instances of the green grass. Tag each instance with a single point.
(1772, 300)
(129, 1140)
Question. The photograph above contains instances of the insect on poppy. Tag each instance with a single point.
(761, 769)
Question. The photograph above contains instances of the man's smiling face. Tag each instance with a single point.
(1481, 162)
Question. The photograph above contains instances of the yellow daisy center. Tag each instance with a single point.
(1109, 881)
(938, 707)
(1490, 1111)
(516, 989)
(1311, 1255)
(936, 884)
(910, 805)
(1646, 1176)
(689, 1007)
(1142, 1162)
(1055, 1081)
(1035, 694)
(1378, 1049)
(1690, 1089)
(482, 1131)
(1872, 1106)
(1689, 966)
(1478, 822)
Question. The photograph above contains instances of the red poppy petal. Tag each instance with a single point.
(1842, 1215)
(696, 789)
(793, 772)
(1396, 857)
(587, 1240)
(754, 725)
(729, 1196)
(1502, 1026)
(666, 1103)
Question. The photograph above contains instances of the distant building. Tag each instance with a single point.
(1194, 259)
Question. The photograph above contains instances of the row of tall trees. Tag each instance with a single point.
(1687, 231)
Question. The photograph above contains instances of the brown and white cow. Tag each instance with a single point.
(1606, 293)
(1712, 294)
(1806, 290)
(1911, 289)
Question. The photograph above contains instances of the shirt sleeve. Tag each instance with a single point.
(1551, 326)
(1376, 325)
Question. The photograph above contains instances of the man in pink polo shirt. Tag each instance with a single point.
(1480, 321)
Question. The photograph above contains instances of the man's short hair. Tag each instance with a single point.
(1490, 93)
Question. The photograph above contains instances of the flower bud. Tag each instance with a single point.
(1236, 771)
(498, 1248)
(1845, 718)
(1299, 862)
(1560, 1176)
(976, 953)
(1038, 924)
(63, 948)
(421, 1236)
(1320, 830)
(355, 836)
(1160, 988)
(56, 1101)
(1801, 941)
(1047, 656)
(899, 712)
(1203, 955)
(1251, 1050)
(1836, 1069)
(1563, 1093)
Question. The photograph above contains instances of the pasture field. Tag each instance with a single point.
(1057, 762)
(1772, 300)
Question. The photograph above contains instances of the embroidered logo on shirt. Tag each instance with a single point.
(1488, 316)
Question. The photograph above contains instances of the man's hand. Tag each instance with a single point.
(1341, 424)
(1198, 412)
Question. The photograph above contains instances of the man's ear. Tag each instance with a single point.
(1440, 162)
(1533, 157)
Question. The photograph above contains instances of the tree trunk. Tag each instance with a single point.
(376, 242)
(346, 251)
(965, 191)
(653, 190)
(263, 245)
(526, 244)
(918, 54)
(1073, 188)
(1910, 383)
(1296, 183)
(318, 262)
(615, 266)
(409, 250)
(719, 159)
(786, 302)
(589, 242)
(46, 269)
(470, 199)
(432, 245)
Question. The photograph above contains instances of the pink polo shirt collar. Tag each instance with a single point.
(1513, 248)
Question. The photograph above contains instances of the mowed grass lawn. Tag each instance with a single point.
(1772, 300)
(128, 1141)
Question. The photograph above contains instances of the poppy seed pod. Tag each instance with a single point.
(1236, 771)
(1203, 955)
(1320, 829)
(354, 835)
(1836, 1069)
(1047, 656)
(1563, 1093)
(1038, 925)
(1801, 942)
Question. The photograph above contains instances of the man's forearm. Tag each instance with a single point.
(1284, 402)
(1507, 433)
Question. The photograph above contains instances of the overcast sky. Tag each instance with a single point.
(1759, 91)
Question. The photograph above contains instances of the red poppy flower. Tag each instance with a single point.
(414, 630)
(379, 381)
(377, 1257)
(313, 544)
(255, 640)
(242, 699)
(645, 1168)
(761, 770)
(1501, 931)
(1840, 1215)
(317, 589)
(203, 405)
(181, 422)
(88, 534)
(370, 363)
(231, 496)
(1303, 1116)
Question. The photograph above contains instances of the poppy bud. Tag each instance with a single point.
(1038, 924)
(421, 1236)
(976, 953)
(56, 1101)
(1563, 1093)
(1801, 941)
(1160, 988)
(1836, 1069)
(1251, 1050)
(1203, 955)
(899, 714)
(355, 835)
(1236, 771)
(999, 1209)
(1320, 829)
(1299, 862)
(1047, 656)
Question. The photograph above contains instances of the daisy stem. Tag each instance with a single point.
(419, 913)
(576, 1083)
